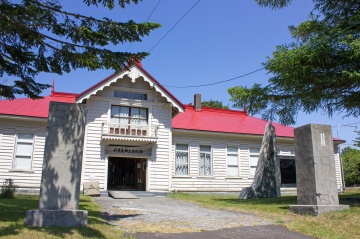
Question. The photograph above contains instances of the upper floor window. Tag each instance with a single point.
(232, 161)
(205, 160)
(129, 115)
(253, 160)
(182, 159)
(23, 151)
(130, 95)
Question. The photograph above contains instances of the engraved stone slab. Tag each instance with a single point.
(315, 170)
(92, 188)
(61, 174)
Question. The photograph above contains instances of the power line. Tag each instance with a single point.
(218, 82)
(153, 11)
(175, 25)
(147, 20)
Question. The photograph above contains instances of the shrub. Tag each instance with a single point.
(351, 164)
(8, 189)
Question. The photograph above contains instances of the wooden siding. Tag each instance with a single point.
(94, 163)
(98, 106)
(219, 181)
(29, 179)
(160, 162)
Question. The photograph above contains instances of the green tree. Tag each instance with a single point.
(214, 104)
(39, 36)
(357, 140)
(319, 71)
(351, 164)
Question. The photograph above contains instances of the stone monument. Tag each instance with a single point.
(315, 171)
(61, 173)
(266, 182)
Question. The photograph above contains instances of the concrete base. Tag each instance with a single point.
(63, 218)
(316, 210)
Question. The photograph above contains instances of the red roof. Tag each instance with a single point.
(34, 108)
(225, 121)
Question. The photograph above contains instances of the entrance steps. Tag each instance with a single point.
(131, 194)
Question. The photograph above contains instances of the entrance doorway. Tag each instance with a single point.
(288, 172)
(127, 173)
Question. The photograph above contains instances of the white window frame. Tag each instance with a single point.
(253, 152)
(237, 165)
(209, 165)
(131, 95)
(17, 154)
(182, 164)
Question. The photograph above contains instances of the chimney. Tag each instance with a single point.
(197, 102)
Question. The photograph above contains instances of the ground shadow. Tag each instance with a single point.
(13, 211)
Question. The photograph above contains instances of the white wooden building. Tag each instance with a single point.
(140, 137)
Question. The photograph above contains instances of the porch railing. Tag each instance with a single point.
(130, 130)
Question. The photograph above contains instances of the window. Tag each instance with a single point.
(128, 115)
(23, 151)
(232, 161)
(182, 159)
(253, 160)
(205, 160)
(130, 95)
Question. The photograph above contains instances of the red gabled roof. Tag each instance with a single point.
(34, 108)
(139, 65)
(225, 121)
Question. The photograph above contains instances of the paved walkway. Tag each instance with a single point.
(151, 217)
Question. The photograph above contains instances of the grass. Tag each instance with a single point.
(333, 225)
(12, 216)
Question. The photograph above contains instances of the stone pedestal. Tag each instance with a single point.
(61, 174)
(315, 171)
(63, 217)
(91, 188)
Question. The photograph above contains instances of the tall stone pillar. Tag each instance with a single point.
(61, 174)
(315, 171)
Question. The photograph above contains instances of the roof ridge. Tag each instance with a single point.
(217, 109)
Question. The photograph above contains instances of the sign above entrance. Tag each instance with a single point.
(141, 151)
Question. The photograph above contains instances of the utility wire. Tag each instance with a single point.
(218, 82)
(153, 11)
(147, 20)
(175, 25)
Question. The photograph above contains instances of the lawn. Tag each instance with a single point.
(12, 216)
(333, 225)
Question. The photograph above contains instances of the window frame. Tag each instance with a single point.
(129, 117)
(232, 165)
(131, 95)
(257, 154)
(187, 164)
(16, 154)
(210, 165)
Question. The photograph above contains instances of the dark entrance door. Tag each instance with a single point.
(126, 173)
(288, 172)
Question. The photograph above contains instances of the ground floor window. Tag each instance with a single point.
(232, 161)
(205, 161)
(253, 160)
(23, 151)
(182, 159)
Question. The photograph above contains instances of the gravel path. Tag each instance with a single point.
(160, 214)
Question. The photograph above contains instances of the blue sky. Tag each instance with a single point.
(217, 40)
